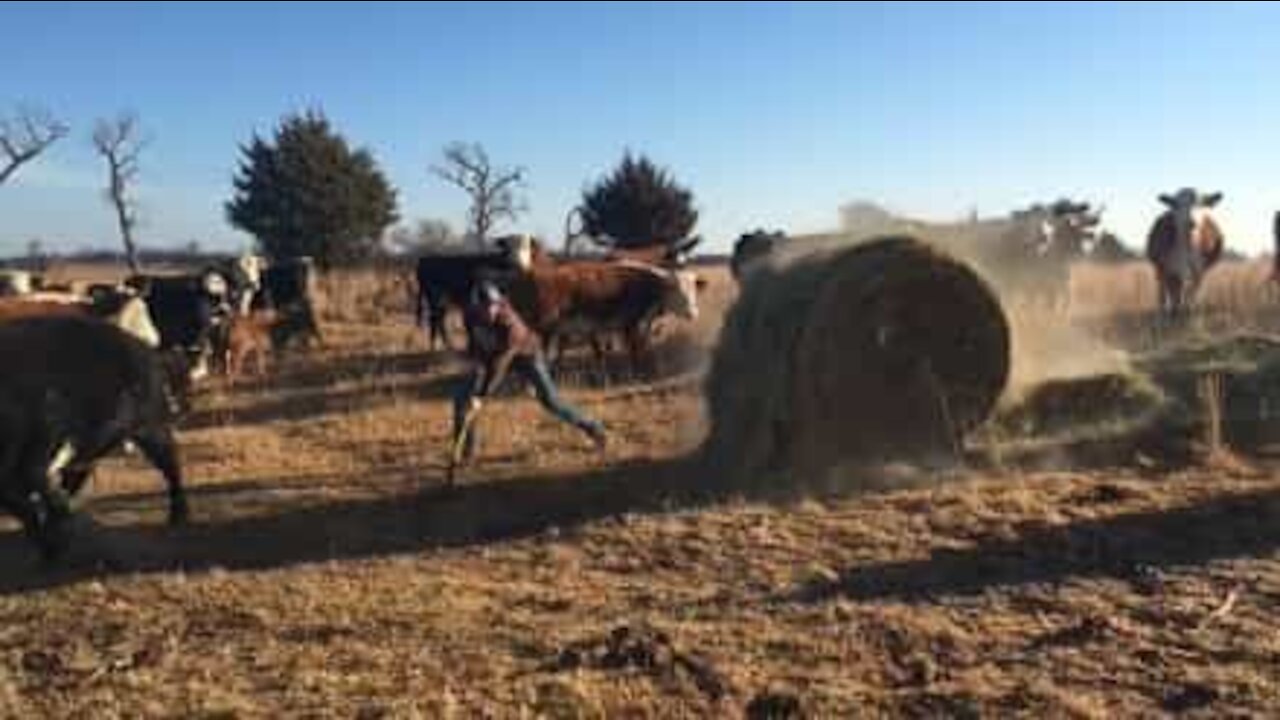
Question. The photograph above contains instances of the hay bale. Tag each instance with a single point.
(851, 354)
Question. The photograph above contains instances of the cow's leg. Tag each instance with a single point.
(636, 347)
(160, 450)
(43, 511)
(314, 336)
(18, 492)
(43, 525)
(439, 327)
(74, 479)
(553, 345)
(73, 465)
(600, 352)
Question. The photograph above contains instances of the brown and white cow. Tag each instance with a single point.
(600, 296)
(1183, 245)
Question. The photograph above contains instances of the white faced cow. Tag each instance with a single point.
(1183, 245)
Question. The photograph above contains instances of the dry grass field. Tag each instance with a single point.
(324, 574)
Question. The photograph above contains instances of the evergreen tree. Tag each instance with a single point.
(308, 193)
(638, 205)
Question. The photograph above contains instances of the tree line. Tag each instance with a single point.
(306, 190)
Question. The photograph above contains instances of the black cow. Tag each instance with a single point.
(287, 289)
(447, 280)
(188, 311)
(73, 389)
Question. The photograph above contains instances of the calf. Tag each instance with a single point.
(249, 335)
(73, 389)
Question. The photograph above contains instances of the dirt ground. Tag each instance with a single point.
(325, 574)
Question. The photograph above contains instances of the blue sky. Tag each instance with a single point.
(774, 114)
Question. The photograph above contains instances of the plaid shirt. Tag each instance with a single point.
(496, 342)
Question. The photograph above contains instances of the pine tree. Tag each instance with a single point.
(308, 193)
(638, 205)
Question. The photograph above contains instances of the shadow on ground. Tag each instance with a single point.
(421, 517)
(1123, 547)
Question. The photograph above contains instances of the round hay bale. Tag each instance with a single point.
(852, 354)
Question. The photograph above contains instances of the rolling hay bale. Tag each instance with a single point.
(851, 354)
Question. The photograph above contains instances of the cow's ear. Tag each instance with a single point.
(1211, 199)
(1167, 200)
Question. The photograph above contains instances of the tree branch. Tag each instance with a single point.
(25, 137)
(118, 143)
(492, 191)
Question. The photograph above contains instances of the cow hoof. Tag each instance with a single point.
(179, 517)
(55, 541)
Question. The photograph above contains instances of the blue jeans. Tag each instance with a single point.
(534, 370)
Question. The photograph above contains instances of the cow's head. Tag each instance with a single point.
(215, 284)
(680, 287)
(682, 251)
(521, 250)
(1192, 214)
(126, 310)
(1064, 229)
(682, 295)
(250, 268)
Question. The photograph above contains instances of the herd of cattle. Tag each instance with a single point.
(85, 370)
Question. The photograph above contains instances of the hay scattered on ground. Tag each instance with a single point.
(1083, 406)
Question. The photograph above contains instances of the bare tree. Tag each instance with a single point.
(495, 192)
(119, 144)
(24, 137)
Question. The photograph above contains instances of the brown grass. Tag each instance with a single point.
(323, 576)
